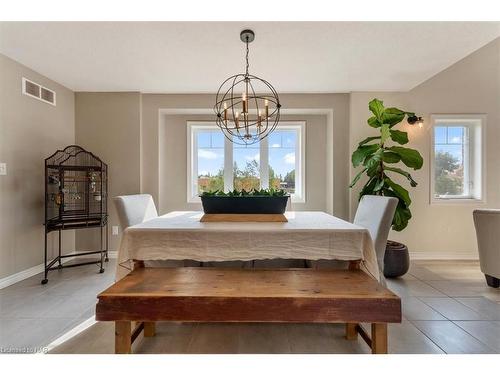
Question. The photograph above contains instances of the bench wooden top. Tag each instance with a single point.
(248, 295)
(234, 283)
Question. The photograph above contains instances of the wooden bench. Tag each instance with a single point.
(148, 295)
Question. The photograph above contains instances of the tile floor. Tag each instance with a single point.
(447, 308)
(33, 315)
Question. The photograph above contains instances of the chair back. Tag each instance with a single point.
(134, 209)
(487, 223)
(375, 213)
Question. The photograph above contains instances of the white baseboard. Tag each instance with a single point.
(431, 255)
(22, 275)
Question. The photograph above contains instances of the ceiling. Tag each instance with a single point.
(195, 57)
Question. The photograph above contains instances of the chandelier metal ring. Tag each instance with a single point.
(247, 107)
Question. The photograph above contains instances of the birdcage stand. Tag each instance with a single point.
(76, 186)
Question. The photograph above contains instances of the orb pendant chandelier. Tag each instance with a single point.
(247, 107)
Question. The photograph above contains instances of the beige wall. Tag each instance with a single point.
(125, 128)
(30, 131)
(472, 85)
(335, 107)
(108, 125)
(173, 162)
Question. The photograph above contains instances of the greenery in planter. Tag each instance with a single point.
(379, 160)
(243, 193)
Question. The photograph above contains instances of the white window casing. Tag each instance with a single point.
(474, 151)
(192, 159)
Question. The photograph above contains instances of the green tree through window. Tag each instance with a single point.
(448, 174)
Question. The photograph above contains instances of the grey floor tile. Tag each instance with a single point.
(415, 309)
(255, 338)
(220, 338)
(487, 308)
(32, 314)
(405, 338)
(323, 338)
(451, 338)
(452, 309)
(412, 288)
(460, 288)
(32, 333)
(486, 332)
(422, 273)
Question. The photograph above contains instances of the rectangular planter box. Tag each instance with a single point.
(244, 205)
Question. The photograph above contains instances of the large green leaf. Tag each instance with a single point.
(368, 188)
(391, 157)
(402, 214)
(393, 116)
(401, 217)
(399, 137)
(385, 133)
(413, 183)
(374, 123)
(362, 152)
(372, 163)
(357, 177)
(400, 191)
(367, 140)
(377, 108)
(410, 157)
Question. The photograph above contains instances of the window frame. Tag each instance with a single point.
(192, 188)
(474, 157)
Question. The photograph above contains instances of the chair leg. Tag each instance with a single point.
(492, 281)
(379, 338)
(149, 329)
(123, 337)
(351, 332)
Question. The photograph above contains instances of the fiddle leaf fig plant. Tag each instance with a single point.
(380, 158)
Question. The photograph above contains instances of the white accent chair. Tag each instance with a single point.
(375, 213)
(135, 209)
(487, 223)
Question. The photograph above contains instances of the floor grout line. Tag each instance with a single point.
(470, 334)
(423, 333)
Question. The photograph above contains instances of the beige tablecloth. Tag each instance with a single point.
(309, 235)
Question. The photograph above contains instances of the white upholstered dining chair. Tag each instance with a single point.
(375, 213)
(134, 209)
(138, 208)
(487, 223)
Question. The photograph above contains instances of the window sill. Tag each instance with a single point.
(456, 201)
(293, 200)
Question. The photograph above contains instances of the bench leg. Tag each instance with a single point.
(123, 337)
(351, 332)
(379, 338)
(149, 329)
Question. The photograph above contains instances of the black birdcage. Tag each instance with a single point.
(76, 191)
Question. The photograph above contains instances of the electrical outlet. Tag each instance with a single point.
(3, 169)
(115, 230)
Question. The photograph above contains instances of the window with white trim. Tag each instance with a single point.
(457, 158)
(216, 163)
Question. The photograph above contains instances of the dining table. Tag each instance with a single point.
(309, 235)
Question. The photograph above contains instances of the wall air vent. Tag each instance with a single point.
(39, 92)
